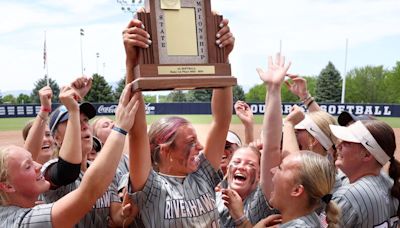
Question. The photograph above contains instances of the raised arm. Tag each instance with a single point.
(68, 210)
(290, 143)
(73, 93)
(34, 140)
(71, 149)
(136, 37)
(244, 113)
(68, 167)
(221, 105)
(299, 88)
(272, 124)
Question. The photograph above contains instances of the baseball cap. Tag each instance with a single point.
(97, 145)
(233, 138)
(346, 117)
(358, 133)
(311, 127)
(61, 114)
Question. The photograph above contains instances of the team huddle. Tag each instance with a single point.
(309, 170)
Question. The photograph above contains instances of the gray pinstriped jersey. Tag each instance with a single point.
(36, 217)
(99, 215)
(167, 201)
(307, 221)
(368, 202)
(340, 180)
(255, 207)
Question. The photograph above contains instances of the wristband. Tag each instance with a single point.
(309, 103)
(45, 109)
(120, 130)
(306, 98)
(240, 220)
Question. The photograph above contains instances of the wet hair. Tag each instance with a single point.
(27, 128)
(3, 171)
(385, 137)
(317, 175)
(163, 132)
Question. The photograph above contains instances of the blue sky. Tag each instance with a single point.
(313, 32)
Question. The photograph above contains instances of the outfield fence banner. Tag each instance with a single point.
(31, 110)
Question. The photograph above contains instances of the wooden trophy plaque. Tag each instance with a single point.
(183, 53)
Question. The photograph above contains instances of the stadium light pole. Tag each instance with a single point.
(344, 73)
(82, 32)
(97, 62)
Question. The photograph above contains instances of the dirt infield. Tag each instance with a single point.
(15, 137)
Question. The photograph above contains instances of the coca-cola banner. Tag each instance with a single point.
(31, 110)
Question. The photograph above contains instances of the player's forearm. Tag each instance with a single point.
(272, 128)
(102, 171)
(34, 140)
(249, 133)
(71, 149)
(289, 143)
(139, 149)
(221, 106)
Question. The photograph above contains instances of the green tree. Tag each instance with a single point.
(23, 99)
(288, 96)
(177, 96)
(392, 85)
(101, 91)
(118, 90)
(365, 85)
(150, 98)
(256, 93)
(202, 95)
(238, 93)
(9, 99)
(1, 98)
(39, 84)
(329, 85)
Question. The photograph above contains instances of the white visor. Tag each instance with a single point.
(233, 138)
(358, 133)
(308, 124)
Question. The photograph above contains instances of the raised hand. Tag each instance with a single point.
(135, 36)
(225, 38)
(276, 70)
(127, 108)
(45, 95)
(68, 97)
(129, 209)
(82, 86)
(243, 111)
(233, 202)
(297, 85)
(295, 116)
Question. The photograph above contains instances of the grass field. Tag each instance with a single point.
(14, 124)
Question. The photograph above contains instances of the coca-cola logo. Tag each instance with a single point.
(106, 109)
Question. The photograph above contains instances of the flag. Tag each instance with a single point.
(82, 32)
(44, 53)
